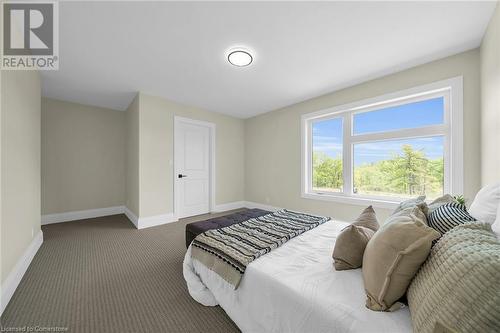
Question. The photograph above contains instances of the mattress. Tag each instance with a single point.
(295, 288)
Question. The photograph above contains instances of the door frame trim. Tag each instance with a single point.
(211, 153)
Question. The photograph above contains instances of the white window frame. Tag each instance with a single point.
(451, 129)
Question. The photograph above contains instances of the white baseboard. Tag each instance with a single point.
(139, 222)
(81, 214)
(229, 206)
(143, 222)
(14, 278)
(250, 204)
(150, 221)
(153, 221)
(131, 216)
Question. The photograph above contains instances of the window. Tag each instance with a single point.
(327, 155)
(400, 168)
(386, 149)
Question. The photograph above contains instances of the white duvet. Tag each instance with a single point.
(295, 288)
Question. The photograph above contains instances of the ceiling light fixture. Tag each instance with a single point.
(239, 57)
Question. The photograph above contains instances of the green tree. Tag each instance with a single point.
(436, 173)
(408, 173)
(327, 171)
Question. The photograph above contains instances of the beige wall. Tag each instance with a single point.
(20, 165)
(490, 102)
(155, 156)
(156, 117)
(273, 140)
(83, 157)
(95, 158)
(132, 157)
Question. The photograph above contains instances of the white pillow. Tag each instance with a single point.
(485, 205)
(496, 226)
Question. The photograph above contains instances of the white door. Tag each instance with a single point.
(192, 167)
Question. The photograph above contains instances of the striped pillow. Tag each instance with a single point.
(448, 216)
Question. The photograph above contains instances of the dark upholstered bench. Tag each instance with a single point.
(196, 228)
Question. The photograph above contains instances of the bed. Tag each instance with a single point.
(295, 288)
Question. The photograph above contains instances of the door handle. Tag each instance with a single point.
(181, 176)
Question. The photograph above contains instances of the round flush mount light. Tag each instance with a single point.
(239, 57)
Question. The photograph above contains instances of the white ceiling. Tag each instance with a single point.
(111, 50)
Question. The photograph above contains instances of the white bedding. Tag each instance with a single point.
(295, 288)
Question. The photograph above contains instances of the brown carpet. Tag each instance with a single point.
(103, 275)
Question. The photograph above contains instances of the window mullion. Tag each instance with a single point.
(401, 134)
(447, 181)
(309, 152)
(347, 154)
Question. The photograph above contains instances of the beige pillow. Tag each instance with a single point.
(419, 202)
(458, 287)
(393, 256)
(367, 219)
(439, 202)
(414, 211)
(351, 242)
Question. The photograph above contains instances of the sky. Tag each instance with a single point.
(327, 135)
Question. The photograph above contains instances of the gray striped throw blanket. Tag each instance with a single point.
(229, 250)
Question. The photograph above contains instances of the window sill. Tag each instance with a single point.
(378, 203)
